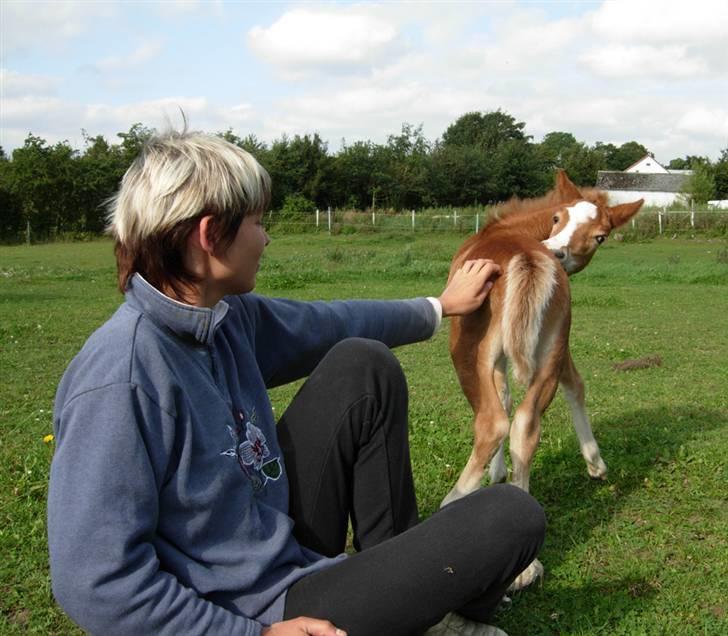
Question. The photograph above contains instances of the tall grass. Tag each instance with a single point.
(645, 552)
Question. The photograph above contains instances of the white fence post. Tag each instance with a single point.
(329, 213)
(374, 218)
(477, 222)
(692, 213)
(455, 218)
(659, 220)
(317, 217)
(413, 219)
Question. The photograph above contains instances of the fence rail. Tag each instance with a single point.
(650, 221)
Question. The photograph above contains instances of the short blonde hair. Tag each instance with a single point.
(182, 175)
(178, 178)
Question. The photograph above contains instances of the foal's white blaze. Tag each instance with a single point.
(581, 213)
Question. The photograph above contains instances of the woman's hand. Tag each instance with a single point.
(303, 626)
(468, 287)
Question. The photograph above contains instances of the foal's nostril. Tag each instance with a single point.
(560, 255)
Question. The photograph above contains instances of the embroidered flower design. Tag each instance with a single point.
(251, 451)
(254, 450)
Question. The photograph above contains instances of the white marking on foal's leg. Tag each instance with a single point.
(529, 576)
(589, 448)
(521, 469)
(469, 480)
(498, 471)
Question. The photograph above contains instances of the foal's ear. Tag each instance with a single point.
(566, 190)
(620, 214)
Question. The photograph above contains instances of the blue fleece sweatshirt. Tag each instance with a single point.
(168, 499)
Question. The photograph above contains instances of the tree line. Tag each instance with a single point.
(481, 158)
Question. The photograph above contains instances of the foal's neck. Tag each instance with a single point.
(534, 224)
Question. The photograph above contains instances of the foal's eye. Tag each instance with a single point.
(601, 238)
(556, 220)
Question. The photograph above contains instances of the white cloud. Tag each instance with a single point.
(55, 119)
(702, 121)
(143, 53)
(668, 39)
(663, 21)
(613, 72)
(29, 26)
(308, 39)
(522, 41)
(672, 61)
(14, 84)
(185, 7)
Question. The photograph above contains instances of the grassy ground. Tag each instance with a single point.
(645, 552)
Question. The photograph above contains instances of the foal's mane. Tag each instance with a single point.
(517, 206)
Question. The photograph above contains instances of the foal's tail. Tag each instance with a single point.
(530, 282)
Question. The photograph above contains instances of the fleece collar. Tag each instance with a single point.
(185, 321)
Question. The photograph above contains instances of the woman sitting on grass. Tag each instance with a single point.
(178, 506)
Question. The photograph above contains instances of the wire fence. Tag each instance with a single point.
(648, 222)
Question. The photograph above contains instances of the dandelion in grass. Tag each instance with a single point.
(48, 439)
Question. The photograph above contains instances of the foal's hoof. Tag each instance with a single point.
(453, 495)
(597, 470)
(528, 577)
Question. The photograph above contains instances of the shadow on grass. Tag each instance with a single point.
(636, 447)
(633, 446)
(559, 609)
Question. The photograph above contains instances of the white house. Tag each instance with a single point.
(649, 165)
(645, 179)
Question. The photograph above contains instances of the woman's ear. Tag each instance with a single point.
(200, 235)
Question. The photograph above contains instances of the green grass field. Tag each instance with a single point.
(645, 552)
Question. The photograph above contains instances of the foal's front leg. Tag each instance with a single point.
(573, 387)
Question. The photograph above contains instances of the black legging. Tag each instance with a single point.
(344, 439)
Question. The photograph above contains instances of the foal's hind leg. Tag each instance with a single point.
(490, 428)
(525, 435)
(526, 426)
(497, 470)
(573, 387)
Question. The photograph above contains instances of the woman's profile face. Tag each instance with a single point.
(237, 267)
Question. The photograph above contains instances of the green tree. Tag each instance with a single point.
(556, 146)
(460, 175)
(689, 162)
(519, 170)
(626, 155)
(721, 175)
(300, 165)
(487, 130)
(700, 186)
(11, 209)
(133, 141)
(356, 176)
(44, 179)
(406, 160)
(99, 172)
(582, 164)
(250, 143)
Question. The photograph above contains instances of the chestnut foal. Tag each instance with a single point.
(526, 319)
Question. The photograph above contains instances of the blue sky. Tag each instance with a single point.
(651, 71)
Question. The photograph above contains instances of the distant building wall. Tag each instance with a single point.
(658, 199)
(657, 189)
(648, 165)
